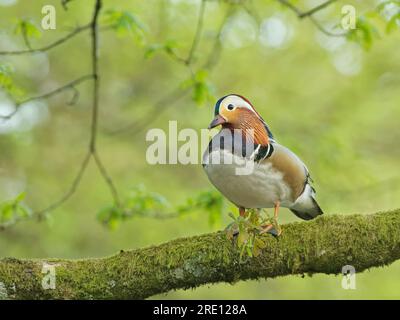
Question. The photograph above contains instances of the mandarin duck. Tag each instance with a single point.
(251, 169)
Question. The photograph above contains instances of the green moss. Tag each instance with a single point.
(323, 245)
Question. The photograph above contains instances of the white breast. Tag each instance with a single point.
(262, 187)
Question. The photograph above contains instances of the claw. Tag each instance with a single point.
(270, 228)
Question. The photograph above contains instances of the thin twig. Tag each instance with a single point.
(309, 14)
(94, 124)
(49, 46)
(25, 36)
(216, 49)
(95, 72)
(107, 178)
(69, 86)
(324, 31)
(316, 9)
(64, 4)
(66, 196)
(291, 7)
(156, 111)
(91, 152)
(72, 189)
(94, 27)
(95, 106)
(199, 30)
(248, 6)
(178, 93)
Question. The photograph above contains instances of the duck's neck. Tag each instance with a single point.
(252, 128)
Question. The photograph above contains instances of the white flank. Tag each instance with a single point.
(262, 188)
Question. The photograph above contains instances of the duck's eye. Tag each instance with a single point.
(230, 107)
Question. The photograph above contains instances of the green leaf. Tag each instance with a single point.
(110, 216)
(249, 251)
(210, 201)
(203, 90)
(20, 197)
(139, 202)
(364, 33)
(393, 23)
(12, 210)
(7, 81)
(124, 22)
(243, 248)
(143, 202)
(7, 211)
(249, 240)
(151, 50)
(23, 211)
(28, 28)
(230, 214)
(243, 237)
(168, 47)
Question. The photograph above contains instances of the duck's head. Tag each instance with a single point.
(236, 112)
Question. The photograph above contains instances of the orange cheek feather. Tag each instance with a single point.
(246, 120)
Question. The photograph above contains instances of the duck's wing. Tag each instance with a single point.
(297, 177)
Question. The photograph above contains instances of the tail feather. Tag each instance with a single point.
(308, 213)
(306, 207)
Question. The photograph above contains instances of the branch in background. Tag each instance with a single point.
(95, 106)
(94, 27)
(316, 9)
(323, 245)
(188, 61)
(160, 107)
(50, 46)
(248, 6)
(92, 150)
(197, 36)
(326, 32)
(65, 3)
(178, 93)
(292, 7)
(69, 86)
(72, 189)
(143, 203)
(95, 72)
(107, 178)
(157, 109)
(216, 50)
(154, 113)
(309, 14)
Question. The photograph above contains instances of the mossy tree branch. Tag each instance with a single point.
(323, 245)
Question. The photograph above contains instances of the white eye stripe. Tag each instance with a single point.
(236, 101)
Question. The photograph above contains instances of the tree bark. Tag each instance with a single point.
(323, 245)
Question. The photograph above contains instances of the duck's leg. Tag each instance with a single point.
(242, 212)
(276, 212)
(266, 228)
(274, 228)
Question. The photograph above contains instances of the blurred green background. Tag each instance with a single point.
(331, 101)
